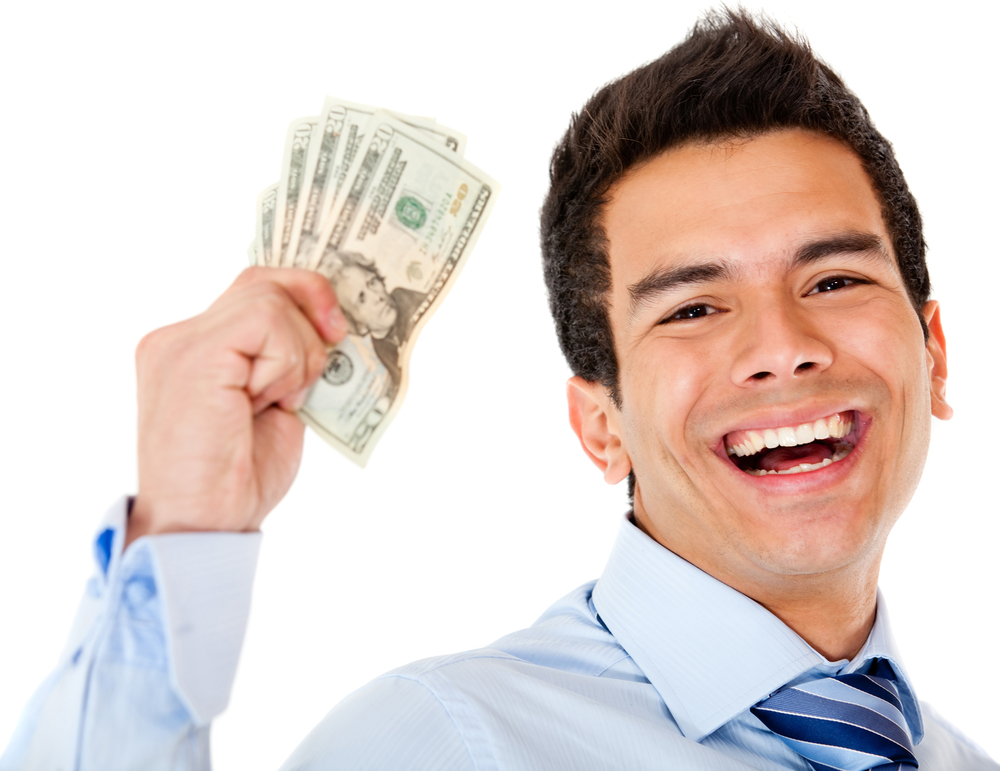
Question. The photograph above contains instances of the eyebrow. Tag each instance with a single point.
(844, 243)
(668, 280)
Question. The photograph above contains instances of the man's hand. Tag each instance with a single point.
(219, 441)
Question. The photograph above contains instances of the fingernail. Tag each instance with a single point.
(337, 320)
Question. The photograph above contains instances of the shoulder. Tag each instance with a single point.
(391, 723)
(454, 712)
(407, 299)
(568, 638)
(404, 293)
(945, 746)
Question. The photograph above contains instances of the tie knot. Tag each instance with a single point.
(852, 722)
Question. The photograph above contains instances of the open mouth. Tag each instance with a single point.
(794, 449)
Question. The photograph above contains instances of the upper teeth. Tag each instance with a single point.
(750, 442)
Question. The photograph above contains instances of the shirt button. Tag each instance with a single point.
(138, 591)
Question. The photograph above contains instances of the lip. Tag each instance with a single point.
(809, 480)
(787, 417)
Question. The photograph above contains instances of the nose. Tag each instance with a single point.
(779, 344)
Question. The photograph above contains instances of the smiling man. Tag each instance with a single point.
(736, 270)
(775, 387)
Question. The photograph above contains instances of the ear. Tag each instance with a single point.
(595, 421)
(937, 361)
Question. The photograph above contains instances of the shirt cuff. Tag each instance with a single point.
(204, 582)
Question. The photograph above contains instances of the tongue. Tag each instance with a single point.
(782, 458)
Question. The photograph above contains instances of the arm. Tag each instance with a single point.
(153, 651)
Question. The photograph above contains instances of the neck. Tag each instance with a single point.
(835, 623)
(833, 611)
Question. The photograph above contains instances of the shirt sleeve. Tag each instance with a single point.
(151, 655)
(391, 724)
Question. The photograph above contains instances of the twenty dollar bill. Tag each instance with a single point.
(385, 207)
(402, 228)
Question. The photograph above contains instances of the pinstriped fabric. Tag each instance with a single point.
(845, 723)
(664, 676)
(643, 584)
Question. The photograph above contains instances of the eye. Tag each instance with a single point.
(689, 312)
(833, 283)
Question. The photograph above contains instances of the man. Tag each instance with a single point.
(736, 271)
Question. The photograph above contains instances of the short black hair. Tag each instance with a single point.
(735, 76)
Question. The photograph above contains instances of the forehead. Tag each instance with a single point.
(749, 202)
(354, 275)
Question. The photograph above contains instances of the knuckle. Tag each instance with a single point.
(315, 362)
(326, 289)
(272, 305)
(150, 346)
(317, 280)
(315, 285)
(249, 275)
(166, 346)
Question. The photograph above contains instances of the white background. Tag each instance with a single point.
(134, 140)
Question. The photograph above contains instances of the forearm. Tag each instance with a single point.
(153, 654)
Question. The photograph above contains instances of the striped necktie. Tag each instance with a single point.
(844, 723)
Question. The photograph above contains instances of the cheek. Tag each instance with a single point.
(661, 387)
(889, 343)
(888, 340)
(349, 305)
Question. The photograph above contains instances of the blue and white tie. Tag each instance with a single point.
(844, 723)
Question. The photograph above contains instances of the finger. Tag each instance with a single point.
(277, 454)
(310, 291)
(287, 393)
(290, 360)
(261, 337)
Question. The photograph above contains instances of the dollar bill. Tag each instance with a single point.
(403, 226)
(453, 140)
(342, 125)
(266, 208)
(300, 136)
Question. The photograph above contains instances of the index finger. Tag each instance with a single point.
(310, 291)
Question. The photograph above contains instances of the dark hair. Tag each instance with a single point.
(734, 77)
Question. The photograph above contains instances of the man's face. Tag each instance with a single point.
(756, 300)
(362, 294)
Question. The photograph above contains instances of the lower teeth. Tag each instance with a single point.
(842, 452)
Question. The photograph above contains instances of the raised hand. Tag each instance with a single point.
(219, 441)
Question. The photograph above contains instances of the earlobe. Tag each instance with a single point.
(937, 361)
(593, 418)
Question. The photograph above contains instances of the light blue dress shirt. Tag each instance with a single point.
(654, 666)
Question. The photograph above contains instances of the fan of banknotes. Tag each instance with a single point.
(387, 209)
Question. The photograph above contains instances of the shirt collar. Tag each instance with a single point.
(711, 652)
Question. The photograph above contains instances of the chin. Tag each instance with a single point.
(820, 545)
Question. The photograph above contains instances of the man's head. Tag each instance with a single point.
(733, 78)
(735, 263)
(363, 298)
